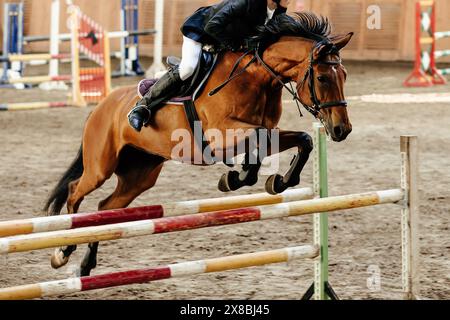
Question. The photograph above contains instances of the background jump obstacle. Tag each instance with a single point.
(89, 84)
(129, 50)
(426, 72)
(129, 65)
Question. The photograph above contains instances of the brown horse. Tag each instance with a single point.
(298, 48)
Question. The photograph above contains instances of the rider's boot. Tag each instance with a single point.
(162, 90)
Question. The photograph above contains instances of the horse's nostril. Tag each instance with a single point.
(338, 131)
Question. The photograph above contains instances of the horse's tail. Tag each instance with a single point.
(60, 193)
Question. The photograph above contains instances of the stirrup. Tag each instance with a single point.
(141, 106)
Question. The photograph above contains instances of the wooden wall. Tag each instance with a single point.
(395, 40)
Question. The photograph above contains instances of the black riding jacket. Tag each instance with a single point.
(228, 22)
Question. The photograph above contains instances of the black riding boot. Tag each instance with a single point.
(161, 91)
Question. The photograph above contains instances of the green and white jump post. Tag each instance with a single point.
(321, 288)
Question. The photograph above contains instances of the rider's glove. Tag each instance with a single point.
(251, 43)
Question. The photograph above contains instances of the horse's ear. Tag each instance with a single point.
(341, 41)
(336, 43)
(322, 50)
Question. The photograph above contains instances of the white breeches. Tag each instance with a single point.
(190, 54)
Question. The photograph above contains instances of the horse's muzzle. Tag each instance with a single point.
(340, 132)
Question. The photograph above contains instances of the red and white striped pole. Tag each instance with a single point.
(177, 270)
(81, 220)
(195, 221)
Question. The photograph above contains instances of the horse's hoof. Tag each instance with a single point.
(275, 185)
(229, 181)
(58, 259)
(223, 184)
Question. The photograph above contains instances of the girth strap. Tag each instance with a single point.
(200, 140)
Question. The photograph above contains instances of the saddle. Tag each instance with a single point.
(188, 93)
(192, 87)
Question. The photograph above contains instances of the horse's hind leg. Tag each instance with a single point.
(78, 189)
(61, 255)
(136, 173)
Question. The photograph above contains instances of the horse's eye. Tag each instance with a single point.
(322, 79)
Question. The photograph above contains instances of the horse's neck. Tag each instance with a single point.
(259, 98)
(255, 95)
(251, 79)
(287, 56)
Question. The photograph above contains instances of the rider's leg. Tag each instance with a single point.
(190, 53)
(166, 85)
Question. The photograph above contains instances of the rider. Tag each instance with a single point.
(226, 24)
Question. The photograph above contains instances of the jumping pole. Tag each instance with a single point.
(81, 220)
(53, 239)
(183, 269)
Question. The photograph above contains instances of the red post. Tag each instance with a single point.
(420, 77)
(437, 77)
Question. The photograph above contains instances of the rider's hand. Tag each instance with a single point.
(234, 46)
(230, 46)
(251, 43)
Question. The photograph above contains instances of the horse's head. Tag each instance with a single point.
(300, 49)
(320, 86)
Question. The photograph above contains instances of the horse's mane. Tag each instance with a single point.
(299, 24)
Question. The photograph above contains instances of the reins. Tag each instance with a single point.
(231, 77)
(316, 106)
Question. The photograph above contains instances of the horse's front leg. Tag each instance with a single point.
(248, 176)
(251, 144)
(289, 139)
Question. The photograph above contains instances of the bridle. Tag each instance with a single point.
(317, 106)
